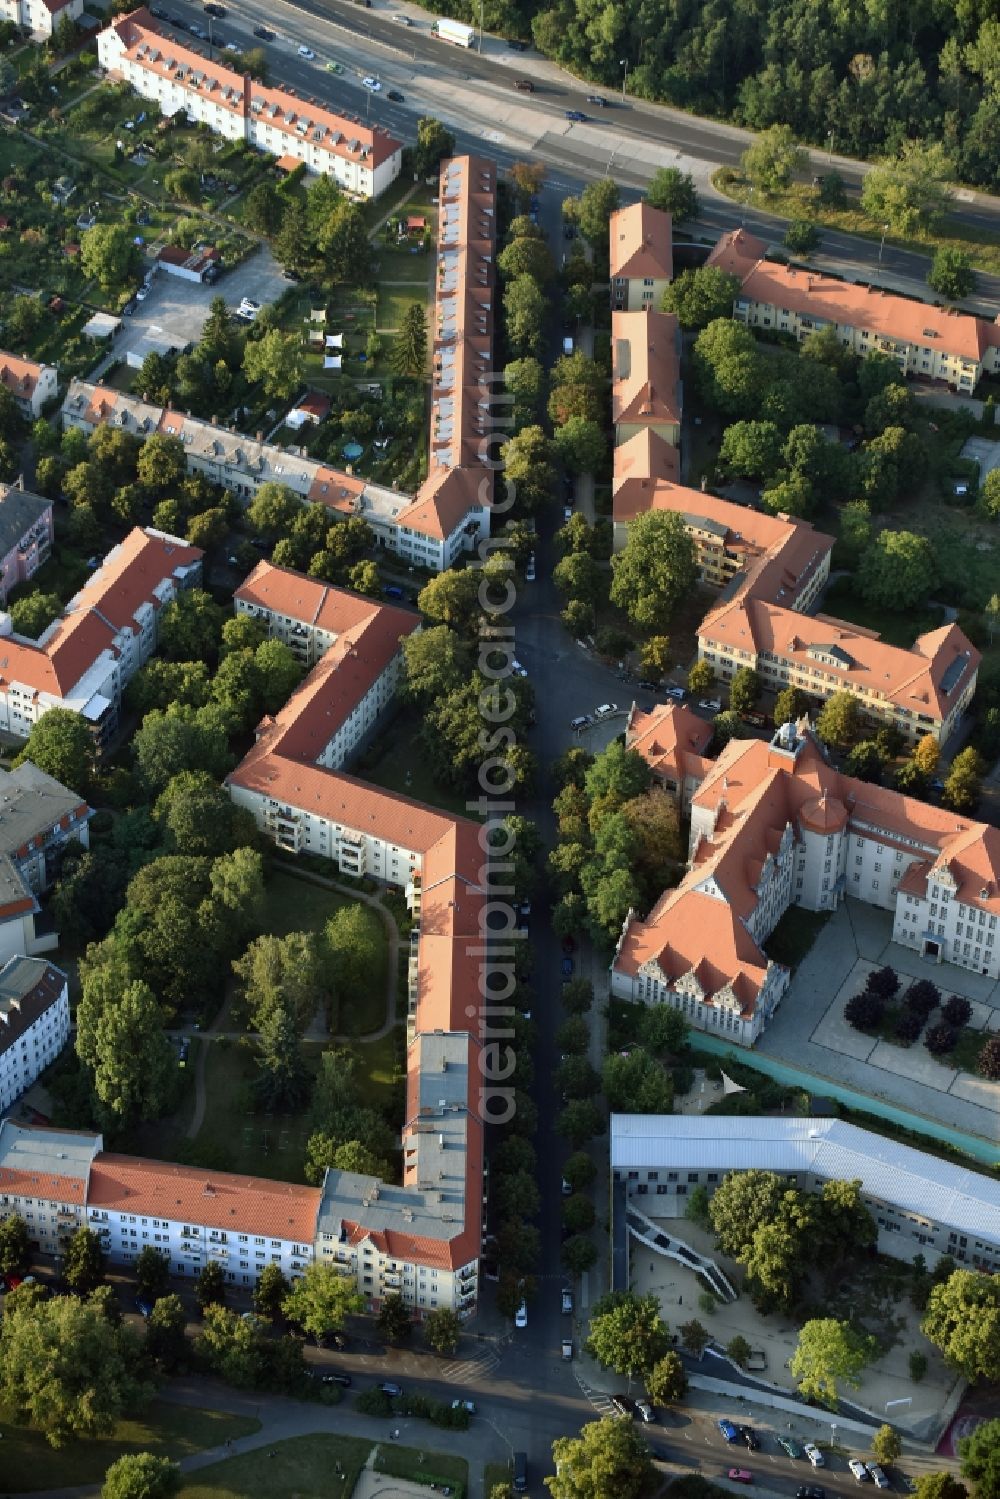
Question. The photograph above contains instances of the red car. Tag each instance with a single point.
(740, 1475)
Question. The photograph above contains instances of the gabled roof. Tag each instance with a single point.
(640, 242)
(671, 739)
(646, 368)
(215, 1199)
(20, 375)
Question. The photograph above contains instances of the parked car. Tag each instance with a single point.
(814, 1455)
(529, 571)
(521, 1315)
(605, 710)
(646, 1412)
(751, 1438)
(789, 1447)
(567, 1302)
(860, 1471)
(710, 704)
(647, 685)
(567, 965)
(516, 45)
(464, 1405)
(142, 294)
(566, 1188)
(679, 693)
(392, 591)
(877, 1475)
(403, 20)
(810, 1491)
(524, 85)
(344, 1380)
(567, 1348)
(729, 1430)
(597, 99)
(307, 53)
(740, 1475)
(212, 9)
(583, 722)
(333, 67)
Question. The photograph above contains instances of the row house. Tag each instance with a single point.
(646, 389)
(34, 1023)
(774, 825)
(32, 385)
(920, 1203)
(934, 343)
(640, 239)
(26, 535)
(105, 634)
(364, 160)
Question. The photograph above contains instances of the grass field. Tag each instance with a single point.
(166, 1430)
(233, 1138)
(896, 626)
(303, 1466)
(794, 935)
(392, 764)
(294, 905)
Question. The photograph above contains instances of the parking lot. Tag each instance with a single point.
(176, 310)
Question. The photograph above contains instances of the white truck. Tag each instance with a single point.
(455, 32)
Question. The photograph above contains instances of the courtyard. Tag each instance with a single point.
(809, 1031)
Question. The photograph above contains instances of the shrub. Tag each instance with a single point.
(373, 1402)
(941, 1038)
(923, 997)
(801, 236)
(864, 1011)
(988, 1064)
(918, 1366)
(908, 1025)
(957, 1010)
(884, 982)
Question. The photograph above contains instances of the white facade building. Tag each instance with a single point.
(34, 1023)
(920, 1203)
(43, 1179)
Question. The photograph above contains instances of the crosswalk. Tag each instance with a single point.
(462, 1369)
(601, 1402)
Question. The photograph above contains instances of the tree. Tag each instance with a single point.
(152, 1273)
(210, 1287)
(908, 192)
(864, 1011)
(666, 1381)
(963, 1321)
(274, 361)
(580, 445)
(951, 274)
(273, 509)
(654, 570)
(744, 690)
(525, 306)
(887, 1444)
(442, 1330)
(527, 464)
(790, 705)
(579, 1171)
(790, 494)
(108, 255)
(282, 1082)
(345, 245)
(580, 1121)
(608, 1457)
(637, 1084)
(15, 1245)
(751, 450)
(865, 761)
(196, 816)
(409, 350)
(527, 256)
(321, 1299)
(34, 613)
(294, 245)
(740, 1204)
(61, 744)
(962, 783)
(264, 209)
(980, 1458)
(773, 159)
(839, 719)
(126, 1051)
(989, 499)
(141, 1475)
(270, 1291)
(356, 947)
(181, 739)
(83, 1265)
(923, 997)
(694, 1337)
(926, 754)
(988, 1063)
(828, 1351)
(627, 1333)
(739, 1350)
(898, 571)
(577, 576)
(524, 379)
(801, 236)
(673, 192)
(67, 1369)
(394, 1321)
(598, 202)
(940, 1486)
(191, 626)
(434, 143)
(728, 368)
(810, 455)
(697, 297)
(701, 677)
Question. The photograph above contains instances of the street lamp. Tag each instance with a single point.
(833, 1434)
(624, 63)
(611, 158)
(885, 231)
(482, 3)
(829, 143)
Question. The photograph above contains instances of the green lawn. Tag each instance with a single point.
(424, 1467)
(966, 1052)
(382, 1063)
(294, 905)
(494, 1474)
(794, 935)
(233, 1138)
(896, 626)
(393, 764)
(167, 1430)
(300, 1468)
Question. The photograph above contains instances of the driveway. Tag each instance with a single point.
(176, 310)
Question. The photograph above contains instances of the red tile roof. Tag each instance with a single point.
(646, 368)
(215, 1199)
(640, 238)
(19, 375)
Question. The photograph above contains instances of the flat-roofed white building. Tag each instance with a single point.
(920, 1203)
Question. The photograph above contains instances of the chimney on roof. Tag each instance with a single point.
(215, 421)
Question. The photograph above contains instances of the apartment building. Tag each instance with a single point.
(107, 631)
(924, 690)
(364, 160)
(674, 742)
(920, 1203)
(642, 257)
(43, 1179)
(39, 16)
(26, 535)
(774, 825)
(34, 1023)
(38, 817)
(32, 385)
(935, 343)
(421, 1238)
(641, 465)
(450, 513)
(646, 389)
